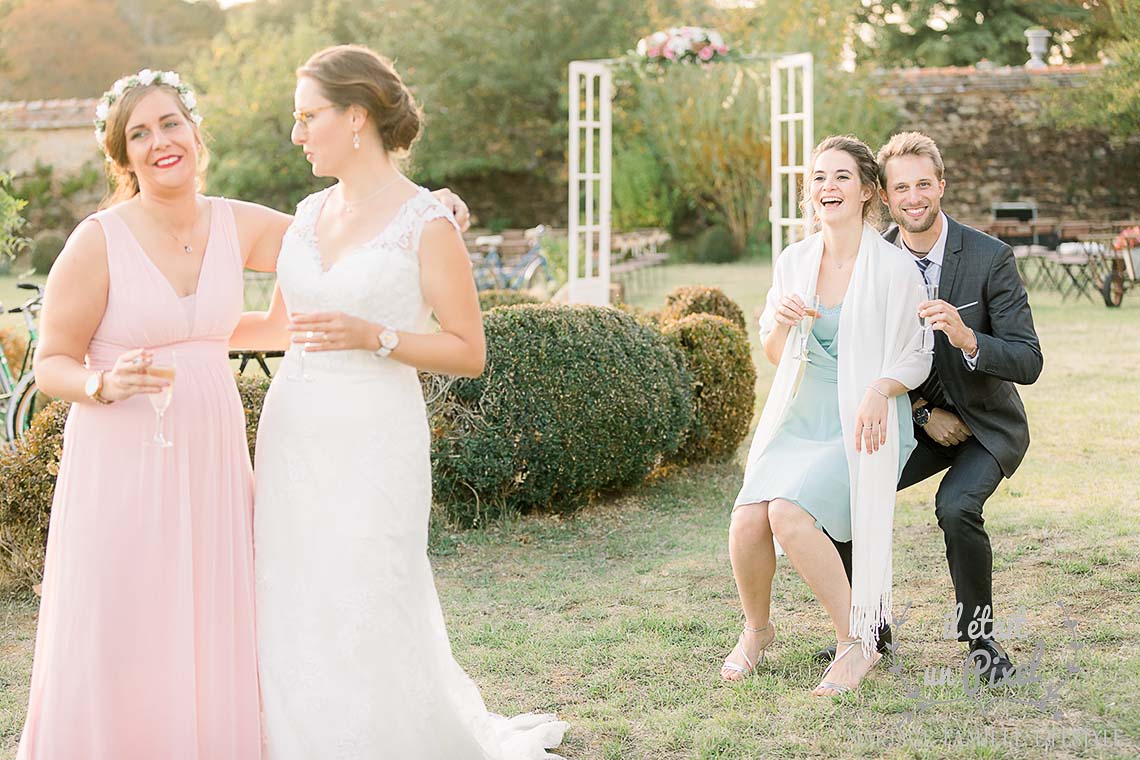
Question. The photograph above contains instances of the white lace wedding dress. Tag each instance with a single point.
(354, 658)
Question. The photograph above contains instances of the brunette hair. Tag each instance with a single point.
(124, 183)
(355, 75)
(865, 165)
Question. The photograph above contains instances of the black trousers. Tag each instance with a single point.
(972, 477)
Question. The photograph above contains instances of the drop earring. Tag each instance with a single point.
(356, 141)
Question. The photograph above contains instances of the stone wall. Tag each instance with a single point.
(997, 146)
(58, 133)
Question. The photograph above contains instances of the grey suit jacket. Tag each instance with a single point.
(977, 267)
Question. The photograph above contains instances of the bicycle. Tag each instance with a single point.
(20, 399)
(530, 274)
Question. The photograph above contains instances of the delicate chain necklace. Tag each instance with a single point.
(186, 247)
(350, 206)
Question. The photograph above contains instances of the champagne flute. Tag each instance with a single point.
(298, 372)
(929, 293)
(811, 312)
(160, 401)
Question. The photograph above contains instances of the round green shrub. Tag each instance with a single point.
(724, 385)
(27, 472)
(45, 250)
(698, 299)
(575, 400)
(489, 299)
(715, 245)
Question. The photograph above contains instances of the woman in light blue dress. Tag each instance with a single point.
(806, 463)
(836, 428)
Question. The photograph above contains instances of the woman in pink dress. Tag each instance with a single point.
(146, 642)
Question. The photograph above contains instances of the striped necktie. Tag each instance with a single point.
(923, 264)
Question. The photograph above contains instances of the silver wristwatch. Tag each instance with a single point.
(388, 342)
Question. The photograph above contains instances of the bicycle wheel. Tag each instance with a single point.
(536, 281)
(26, 403)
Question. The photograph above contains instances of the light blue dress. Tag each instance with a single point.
(805, 462)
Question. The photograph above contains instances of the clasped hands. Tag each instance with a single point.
(946, 428)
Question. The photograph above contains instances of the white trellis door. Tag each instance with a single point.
(591, 128)
(792, 141)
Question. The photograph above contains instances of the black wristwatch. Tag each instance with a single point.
(921, 416)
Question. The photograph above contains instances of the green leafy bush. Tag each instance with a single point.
(698, 299)
(575, 400)
(489, 299)
(46, 248)
(719, 358)
(28, 473)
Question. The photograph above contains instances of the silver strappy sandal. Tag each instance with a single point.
(842, 648)
(749, 667)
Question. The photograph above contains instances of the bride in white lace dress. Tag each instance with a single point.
(355, 662)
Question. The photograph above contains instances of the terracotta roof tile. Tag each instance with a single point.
(47, 114)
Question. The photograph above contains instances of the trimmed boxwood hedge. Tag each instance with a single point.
(575, 400)
(724, 385)
(489, 299)
(27, 473)
(698, 299)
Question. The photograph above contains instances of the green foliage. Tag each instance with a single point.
(697, 299)
(12, 240)
(1110, 102)
(46, 249)
(642, 196)
(717, 354)
(709, 126)
(28, 473)
(246, 80)
(490, 299)
(58, 202)
(714, 245)
(963, 32)
(574, 401)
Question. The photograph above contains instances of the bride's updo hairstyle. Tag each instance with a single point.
(354, 75)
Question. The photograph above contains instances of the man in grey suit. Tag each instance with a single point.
(969, 419)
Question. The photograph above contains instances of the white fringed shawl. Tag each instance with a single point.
(879, 336)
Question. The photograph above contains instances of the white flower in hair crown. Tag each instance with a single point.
(144, 78)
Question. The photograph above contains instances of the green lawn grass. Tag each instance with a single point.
(618, 618)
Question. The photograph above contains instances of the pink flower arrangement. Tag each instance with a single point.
(1127, 239)
(684, 44)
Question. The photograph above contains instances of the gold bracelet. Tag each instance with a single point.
(876, 390)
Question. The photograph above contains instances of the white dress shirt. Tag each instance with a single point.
(933, 272)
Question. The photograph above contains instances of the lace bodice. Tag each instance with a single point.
(378, 280)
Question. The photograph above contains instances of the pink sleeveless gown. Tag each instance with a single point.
(146, 648)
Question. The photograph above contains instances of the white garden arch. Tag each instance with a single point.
(591, 163)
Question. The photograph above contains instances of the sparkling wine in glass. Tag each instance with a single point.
(160, 401)
(929, 293)
(811, 312)
(298, 372)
